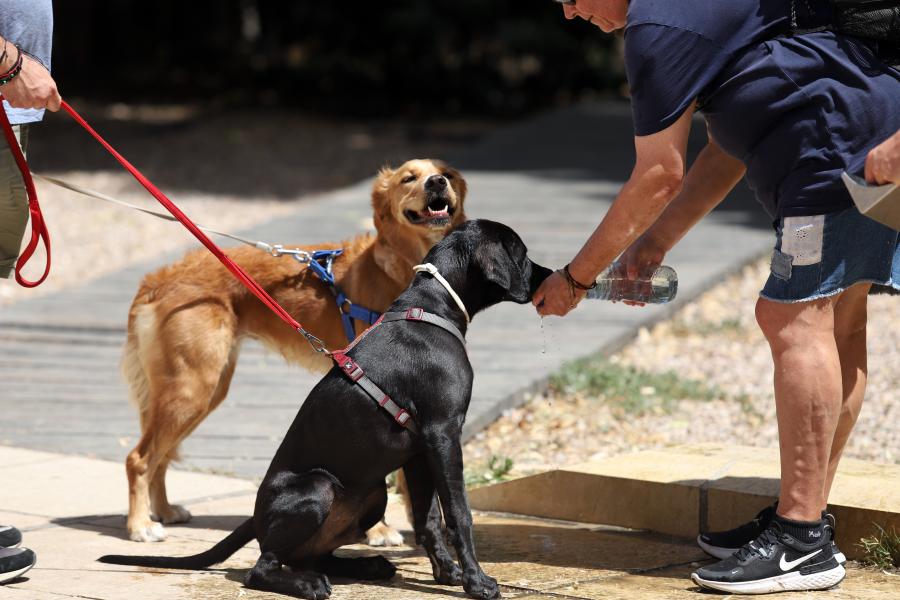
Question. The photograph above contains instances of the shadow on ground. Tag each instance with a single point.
(283, 154)
(114, 526)
(266, 153)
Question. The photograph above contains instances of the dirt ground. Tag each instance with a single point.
(703, 376)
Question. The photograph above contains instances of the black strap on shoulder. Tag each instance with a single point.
(419, 314)
(356, 374)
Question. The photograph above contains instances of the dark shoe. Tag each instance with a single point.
(14, 562)
(829, 521)
(722, 544)
(10, 537)
(774, 562)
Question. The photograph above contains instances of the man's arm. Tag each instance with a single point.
(33, 87)
(883, 162)
(712, 176)
(656, 180)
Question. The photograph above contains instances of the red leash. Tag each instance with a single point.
(39, 229)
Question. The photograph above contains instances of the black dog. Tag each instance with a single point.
(319, 495)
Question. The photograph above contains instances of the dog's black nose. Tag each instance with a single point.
(436, 183)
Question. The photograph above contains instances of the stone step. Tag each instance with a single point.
(685, 490)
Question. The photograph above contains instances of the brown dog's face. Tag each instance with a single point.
(420, 201)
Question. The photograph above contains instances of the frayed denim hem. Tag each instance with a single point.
(889, 283)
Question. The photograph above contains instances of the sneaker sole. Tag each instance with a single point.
(789, 582)
(11, 575)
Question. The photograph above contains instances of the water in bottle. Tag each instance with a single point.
(657, 287)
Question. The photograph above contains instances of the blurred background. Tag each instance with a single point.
(241, 109)
(372, 59)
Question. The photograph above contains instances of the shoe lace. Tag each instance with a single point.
(761, 546)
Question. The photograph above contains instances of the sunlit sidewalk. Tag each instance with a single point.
(71, 510)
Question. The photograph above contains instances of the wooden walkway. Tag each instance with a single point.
(550, 178)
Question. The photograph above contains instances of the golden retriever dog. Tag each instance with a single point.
(187, 321)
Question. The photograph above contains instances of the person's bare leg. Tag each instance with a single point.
(850, 318)
(808, 392)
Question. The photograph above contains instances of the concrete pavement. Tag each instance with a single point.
(71, 510)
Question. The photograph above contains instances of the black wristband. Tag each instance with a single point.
(577, 284)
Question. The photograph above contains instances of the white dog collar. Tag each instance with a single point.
(430, 268)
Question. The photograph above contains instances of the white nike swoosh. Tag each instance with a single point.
(788, 565)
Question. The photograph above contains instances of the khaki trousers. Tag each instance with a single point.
(13, 203)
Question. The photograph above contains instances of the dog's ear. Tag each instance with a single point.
(381, 204)
(504, 271)
(462, 190)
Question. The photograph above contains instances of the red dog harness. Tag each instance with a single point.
(356, 374)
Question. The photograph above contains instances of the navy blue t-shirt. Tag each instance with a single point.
(797, 110)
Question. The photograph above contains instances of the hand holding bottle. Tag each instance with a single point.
(644, 256)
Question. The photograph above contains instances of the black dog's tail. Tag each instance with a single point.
(218, 553)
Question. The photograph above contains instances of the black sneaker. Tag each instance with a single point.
(722, 544)
(14, 562)
(774, 562)
(829, 525)
(10, 537)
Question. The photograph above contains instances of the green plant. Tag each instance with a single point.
(634, 391)
(497, 469)
(882, 549)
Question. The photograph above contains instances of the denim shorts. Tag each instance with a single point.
(822, 255)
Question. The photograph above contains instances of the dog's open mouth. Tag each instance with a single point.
(437, 213)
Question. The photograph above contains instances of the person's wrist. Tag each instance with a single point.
(7, 56)
(580, 276)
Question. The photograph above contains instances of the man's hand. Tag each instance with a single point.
(883, 162)
(32, 88)
(554, 296)
(643, 256)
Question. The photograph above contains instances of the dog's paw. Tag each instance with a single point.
(479, 585)
(151, 532)
(313, 586)
(449, 574)
(173, 514)
(383, 535)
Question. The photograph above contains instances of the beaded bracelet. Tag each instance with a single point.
(3, 56)
(14, 71)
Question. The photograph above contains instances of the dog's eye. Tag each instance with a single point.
(408, 179)
(448, 176)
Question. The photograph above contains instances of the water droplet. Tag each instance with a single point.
(543, 337)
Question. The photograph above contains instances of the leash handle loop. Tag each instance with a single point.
(39, 231)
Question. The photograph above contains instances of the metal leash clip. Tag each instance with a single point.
(317, 344)
(277, 251)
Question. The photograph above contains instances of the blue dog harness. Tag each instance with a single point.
(320, 264)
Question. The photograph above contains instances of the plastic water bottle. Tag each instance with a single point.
(659, 287)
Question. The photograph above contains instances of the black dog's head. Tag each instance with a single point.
(487, 262)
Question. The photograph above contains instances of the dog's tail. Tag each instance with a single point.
(218, 553)
(141, 326)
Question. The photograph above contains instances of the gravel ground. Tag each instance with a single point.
(713, 340)
(228, 170)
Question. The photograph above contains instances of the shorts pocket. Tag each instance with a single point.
(802, 238)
